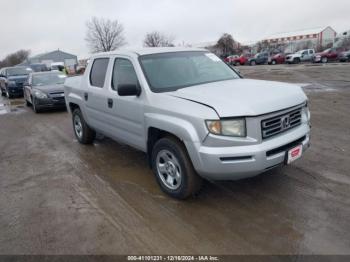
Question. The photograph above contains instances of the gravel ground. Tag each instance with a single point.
(60, 197)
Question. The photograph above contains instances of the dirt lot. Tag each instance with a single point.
(59, 197)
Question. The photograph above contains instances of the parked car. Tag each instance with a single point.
(192, 114)
(277, 59)
(300, 56)
(230, 59)
(44, 90)
(330, 54)
(344, 56)
(39, 67)
(12, 79)
(259, 59)
(242, 59)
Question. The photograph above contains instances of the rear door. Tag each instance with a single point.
(95, 95)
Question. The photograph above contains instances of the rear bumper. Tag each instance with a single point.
(232, 163)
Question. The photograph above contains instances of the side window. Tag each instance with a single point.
(123, 73)
(98, 72)
(311, 52)
(305, 53)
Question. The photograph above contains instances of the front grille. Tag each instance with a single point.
(278, 124)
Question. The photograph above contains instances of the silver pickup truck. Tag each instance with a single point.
(193, 115)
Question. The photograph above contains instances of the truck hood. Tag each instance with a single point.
(244, 97)
(50, 88)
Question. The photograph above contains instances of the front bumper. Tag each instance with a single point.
(47, 103)
(317, 59)
(233, 163)
(15, 91)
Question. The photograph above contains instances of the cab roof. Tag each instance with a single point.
(150, 50)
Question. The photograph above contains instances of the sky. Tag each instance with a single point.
(47, 25)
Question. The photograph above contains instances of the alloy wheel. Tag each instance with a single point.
(169, 169)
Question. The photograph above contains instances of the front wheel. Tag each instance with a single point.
(35, 106)
(324, 60)
(252, 63)
(174, 170)
(8, 95)
(82, 131)
(296, 60)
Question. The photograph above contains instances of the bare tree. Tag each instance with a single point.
(104, 35)
(226, 45)
(15, 58)
(157, 39)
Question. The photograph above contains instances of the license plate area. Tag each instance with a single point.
(294, 154)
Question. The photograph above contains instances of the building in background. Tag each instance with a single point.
(316, 38)
(68, 60)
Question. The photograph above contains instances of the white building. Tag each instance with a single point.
(315, 37)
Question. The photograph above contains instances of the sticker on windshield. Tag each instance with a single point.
(213, 57)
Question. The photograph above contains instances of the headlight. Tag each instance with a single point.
(40, 94)
(11, 83)
(230, 127)
(306, 111)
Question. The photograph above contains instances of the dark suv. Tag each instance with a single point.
(12, 79)
(259, 59)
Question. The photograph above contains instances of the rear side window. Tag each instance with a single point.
(98, 72)
(123, 73)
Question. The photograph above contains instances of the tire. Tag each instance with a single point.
(170, 155)
(296, 60)
(82, 131)
(273, 62)
(8, 95)
(324, 60)
(35, 108)
(253, 63)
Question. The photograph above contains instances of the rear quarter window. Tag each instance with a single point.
(98, 72)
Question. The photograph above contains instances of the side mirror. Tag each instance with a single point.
(129, 90)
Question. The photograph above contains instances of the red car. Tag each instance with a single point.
(330, 54)
(277, 59)
(242, 60)
(230, 59)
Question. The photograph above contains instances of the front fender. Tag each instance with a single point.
(181, 128)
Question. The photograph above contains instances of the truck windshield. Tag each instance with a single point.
(171, 71)
(48, 79)
(18, 71)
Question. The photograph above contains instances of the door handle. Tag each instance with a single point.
(110, 102)
(86, 96)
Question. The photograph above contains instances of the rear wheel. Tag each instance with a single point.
(253, 63)
(173, 169)
(82, 131)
